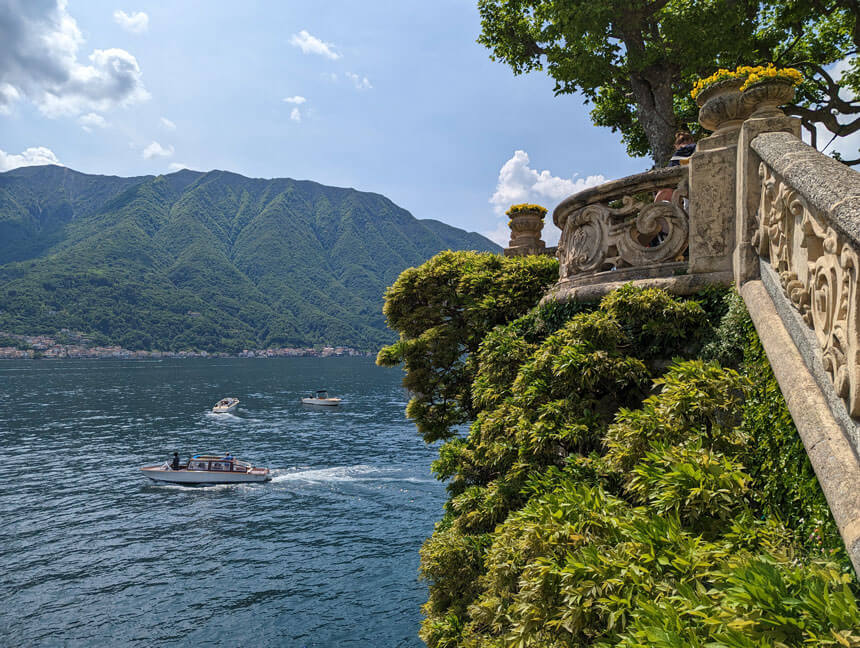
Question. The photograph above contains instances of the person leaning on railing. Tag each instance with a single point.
(685, 146)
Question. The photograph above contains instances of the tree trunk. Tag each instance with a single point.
(652, 90)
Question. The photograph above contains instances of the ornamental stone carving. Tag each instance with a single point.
(817, 268)
(619, 225)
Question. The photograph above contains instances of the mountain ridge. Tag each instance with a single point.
(263, 261)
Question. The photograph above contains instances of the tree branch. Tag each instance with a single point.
(813, 132)
(824, 117)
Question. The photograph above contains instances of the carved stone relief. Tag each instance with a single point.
(818, 272)
(624, 232)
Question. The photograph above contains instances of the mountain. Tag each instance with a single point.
(213, 261)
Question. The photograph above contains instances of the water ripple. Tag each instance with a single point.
(323, 555)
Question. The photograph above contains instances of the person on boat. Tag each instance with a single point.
(228, 456)
(175, 464)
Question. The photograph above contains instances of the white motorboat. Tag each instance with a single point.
(208, 469)
(226, 405)
(321, 397)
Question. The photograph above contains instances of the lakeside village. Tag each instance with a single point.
(78, 345)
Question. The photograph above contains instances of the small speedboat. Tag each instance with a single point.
(226, 405)
(208, 469)
(321, 397)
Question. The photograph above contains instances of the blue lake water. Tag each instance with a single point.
(326, 554)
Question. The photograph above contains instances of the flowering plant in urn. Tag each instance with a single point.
(727, 97)
(526, 223)
(768, 87)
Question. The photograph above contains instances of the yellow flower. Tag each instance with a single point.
(524, 207)
(750, 75)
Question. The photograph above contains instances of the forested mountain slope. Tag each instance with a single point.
(213, 261)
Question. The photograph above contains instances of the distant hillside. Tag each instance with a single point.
(211, 261)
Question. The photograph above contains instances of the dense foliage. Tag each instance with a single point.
(631, 478)
(443, 310)
(211, 261)
(636, 62)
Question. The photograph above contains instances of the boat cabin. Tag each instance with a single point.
(217, 463)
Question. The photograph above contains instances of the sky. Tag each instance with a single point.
(392, 97)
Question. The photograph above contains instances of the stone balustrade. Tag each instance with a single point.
(796, 263)
(618, 227)
(617, 233)
(809, 233)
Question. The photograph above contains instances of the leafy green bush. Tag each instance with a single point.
(619, 487)
(443, 310)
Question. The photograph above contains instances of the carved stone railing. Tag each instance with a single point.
(797, 258)
(618, 225)
(809, 232)
(617, 233)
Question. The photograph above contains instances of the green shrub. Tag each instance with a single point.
(620, 487)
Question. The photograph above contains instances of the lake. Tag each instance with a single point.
(326, 554)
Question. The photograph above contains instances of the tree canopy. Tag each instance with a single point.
(635, 61)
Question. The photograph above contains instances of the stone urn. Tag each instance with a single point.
(526, 227)
(722, 107)
(765, 97)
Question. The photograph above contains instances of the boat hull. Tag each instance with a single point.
(168, 476)
(321, 401)
(226, 409)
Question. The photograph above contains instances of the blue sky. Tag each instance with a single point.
(391, 97)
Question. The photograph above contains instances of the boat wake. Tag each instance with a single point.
(223, 416)
(357, 473)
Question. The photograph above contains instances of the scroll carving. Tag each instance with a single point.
(818, 271)
(621, 232)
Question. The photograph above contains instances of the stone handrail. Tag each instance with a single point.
(617, 232)
(809, 231)
(799, 220)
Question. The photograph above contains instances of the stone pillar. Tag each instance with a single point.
(712, 178)
(764, 119)
(526, 223)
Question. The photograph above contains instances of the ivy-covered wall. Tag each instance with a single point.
(631, 476)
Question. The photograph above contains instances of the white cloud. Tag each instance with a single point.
(92, 120)
(30, 157)
(136, 22)
(313, 45)
(519, 183)
(298, 100)
(296, 115)
(157, 150)
(40, 62)
(362, 83)
(176, 166)
(166, 123)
